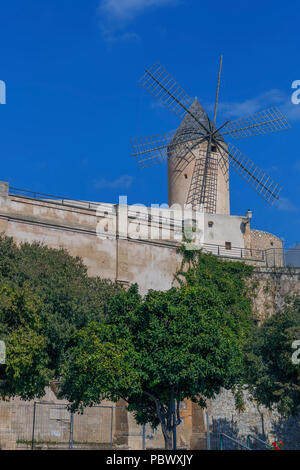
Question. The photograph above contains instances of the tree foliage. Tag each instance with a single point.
(182, 344)
(273, 378)
(46, 295)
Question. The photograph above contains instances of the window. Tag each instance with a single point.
(186, 176)
(214, 148)
(210, 224)
(228, 245)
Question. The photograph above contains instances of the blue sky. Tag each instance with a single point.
(73, 103)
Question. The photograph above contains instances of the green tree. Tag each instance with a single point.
(169, 346)
(272, 376)
(45, 296)
(27, 371)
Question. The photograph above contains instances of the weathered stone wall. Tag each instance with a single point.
(273, 285)
(264, 240)
(256, 420)
(150, 263)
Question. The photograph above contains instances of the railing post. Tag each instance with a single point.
(174, 427)
(221, 442)
(144, 437)
(208, 446)
(71, 431)
(33, 426)
(111, 427)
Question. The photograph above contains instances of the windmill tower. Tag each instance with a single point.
(197, 155)
(186, 169)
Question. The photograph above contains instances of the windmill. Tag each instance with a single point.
(197, 155)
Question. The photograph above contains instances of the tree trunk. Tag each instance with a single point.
(168, 437)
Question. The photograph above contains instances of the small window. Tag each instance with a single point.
(210, 224)
(186, 176)
(214, 148)
(272, 243)
(228, 245)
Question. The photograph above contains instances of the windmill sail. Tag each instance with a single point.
(263, 184)
(153, 149)
(205, 177)
(167, 91)
(263, 122)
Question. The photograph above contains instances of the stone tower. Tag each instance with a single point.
(181, 165)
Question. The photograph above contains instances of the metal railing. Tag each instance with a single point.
(257, 439)
(61, 200)
(235, 252)
(283, 257)
(224, 437)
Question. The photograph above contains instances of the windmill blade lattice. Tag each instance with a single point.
(263, 184)
(224, 165)
(263, 122)
(159, 83)
(154, 149)
(151, 150)
(205, 172)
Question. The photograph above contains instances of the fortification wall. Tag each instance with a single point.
(151, 263)
(125, 260)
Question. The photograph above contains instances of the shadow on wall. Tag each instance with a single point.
(287, 431)
(230, 428)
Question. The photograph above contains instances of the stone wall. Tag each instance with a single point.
(150, 263)
(273, 285)
(264, 240)
(256, 420)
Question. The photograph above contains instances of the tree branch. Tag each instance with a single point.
(158, 409)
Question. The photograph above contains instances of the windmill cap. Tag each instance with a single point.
(190, 126)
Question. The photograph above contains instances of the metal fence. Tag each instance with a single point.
(51, 426)
(55, 427)
(15, 425)
(278, 257)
